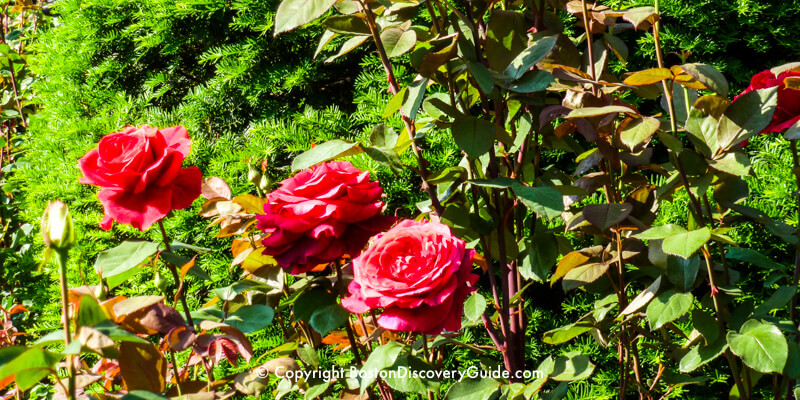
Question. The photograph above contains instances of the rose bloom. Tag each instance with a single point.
(788, 109)
(140, 172)
(419, 273)
(320, 215)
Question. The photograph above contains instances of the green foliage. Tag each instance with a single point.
(740, 38)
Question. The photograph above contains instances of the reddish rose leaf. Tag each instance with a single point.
(251, 204)
(215, 187)
(223, 348)
(133, 304)
(605, 216)
(142, 367)
(160, 317)
(16, 309)
(179, 338)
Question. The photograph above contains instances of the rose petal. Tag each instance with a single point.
(177, 139)
(138, 210)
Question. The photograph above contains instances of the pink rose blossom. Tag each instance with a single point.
(418, 273)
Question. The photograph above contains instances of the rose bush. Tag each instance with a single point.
(140, 172)
(419, 273)
(788, 110)
(322, 214)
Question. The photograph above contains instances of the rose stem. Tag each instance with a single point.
(394, 88)
(796, 277)
(514, 353)
(342, 292)
(424, 338)
(590, 50)
(176, 372)
(61, 260)
(366, 333)
(176, 277)
(350, 336)
(696, 208)
(426, 354)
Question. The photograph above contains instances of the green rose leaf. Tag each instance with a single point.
(406, 382)
(686, 243)
(583, 275)
(660, 232)
(251, 318)
(545, 201)
(294, 13)
(735, 163)
(541, 254)
(475, 136)
(566, 333)
(531, 56)
(328, 318)
(587, 112)
(572, 366)
(746, 117)
(474, 306)
(667, 307)
(473, 389)
(382, 357)
(347, 25)
(416, 93)
(708, 76)
(701, 355)
(327, 151)
(682, 272)
(397, 41)
(761, 346)
(118, 261)
(636, 134)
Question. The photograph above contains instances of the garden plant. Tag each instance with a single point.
(525, 217)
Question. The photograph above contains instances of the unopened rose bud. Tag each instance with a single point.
(253, 174)
(264, 184)
(58, 231)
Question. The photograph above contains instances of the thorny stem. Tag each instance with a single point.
(728, 355)
(394, 88)
(342, 291)
(350, 336)
(514, 352)
(426, 354)
(436, 28)
(696, 207)
(61, 260)
(16, 92)
(485, 245)
(589, 46)
(796, 276)
(174, 270)
(176, 372)
(364, 329)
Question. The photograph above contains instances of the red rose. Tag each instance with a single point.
(788, 110)
(320, 215)
(419, 273)
(141, 175)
